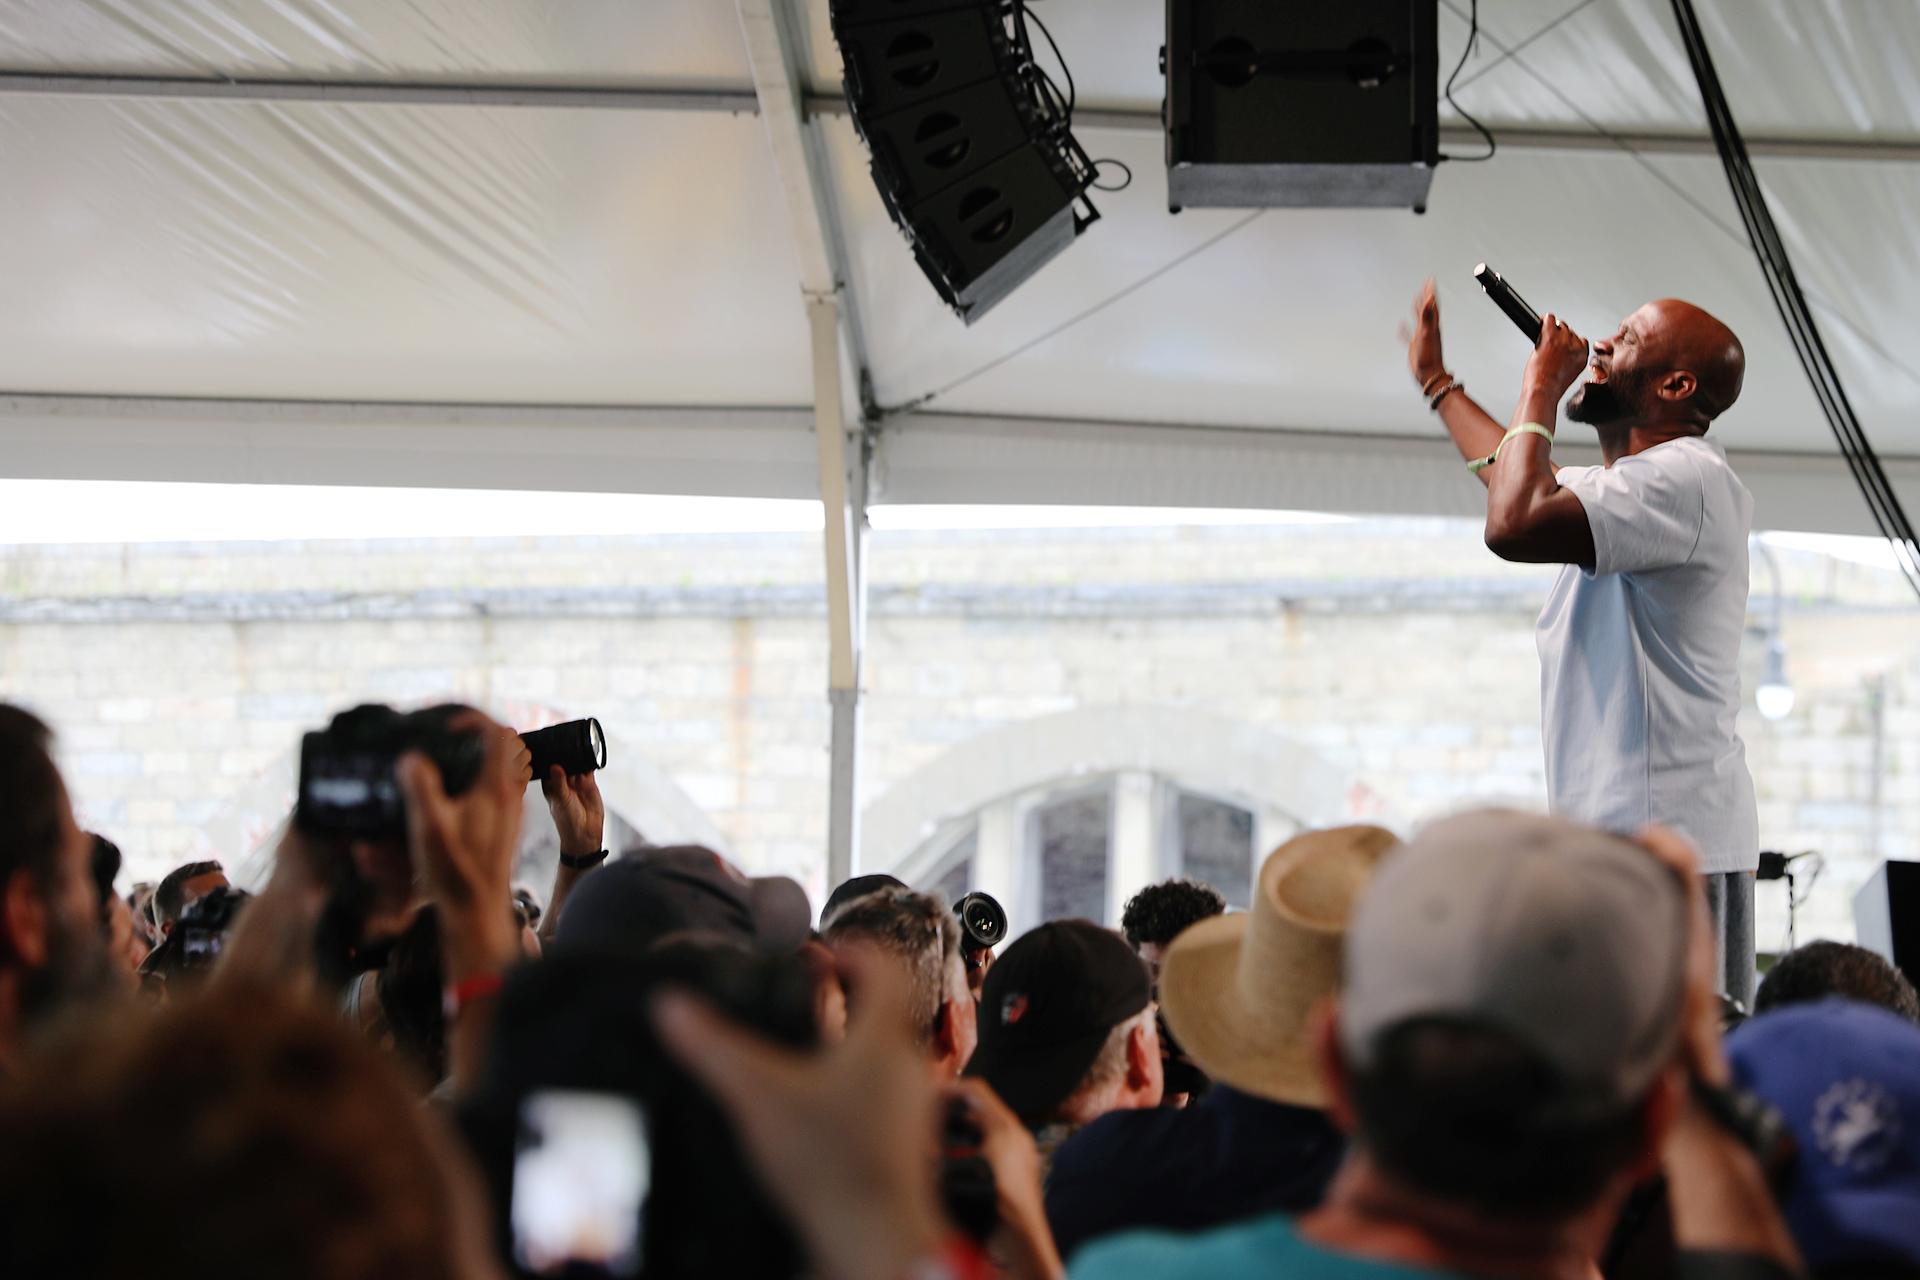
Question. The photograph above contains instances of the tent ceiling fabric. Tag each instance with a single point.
(394, 253)
(542, 256)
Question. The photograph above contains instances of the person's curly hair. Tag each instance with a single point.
(1820, 970)
(240, 1133)
(1161, 912)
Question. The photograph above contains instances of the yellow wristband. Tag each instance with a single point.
(1524, 429)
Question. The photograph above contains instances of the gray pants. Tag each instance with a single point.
(1730, 903)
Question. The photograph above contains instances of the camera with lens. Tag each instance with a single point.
(983, 924)
(575, 1033)
(348, 787)
(205, 923)
(578, 746)
(198, 936)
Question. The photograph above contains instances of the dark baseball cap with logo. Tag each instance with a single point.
(1047, 1006)
(648, 894)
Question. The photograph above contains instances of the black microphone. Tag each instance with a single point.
(1510, 302)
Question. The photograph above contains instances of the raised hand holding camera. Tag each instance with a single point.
(463, 846)
(579, 814)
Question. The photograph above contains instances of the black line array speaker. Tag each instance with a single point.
(971, 147)
(1301, 103)
(1886, 915)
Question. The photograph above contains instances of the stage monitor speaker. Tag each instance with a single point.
(970, 146)
(1886, 915)
(1301, 104)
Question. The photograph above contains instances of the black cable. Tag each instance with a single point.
(1121, 164)
(1551, 87)
(1793, 911)
(1473, 38)
(1021, 14)
(1883, 504)
(1128, 291)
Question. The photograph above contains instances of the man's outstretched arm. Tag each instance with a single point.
(1529, 517)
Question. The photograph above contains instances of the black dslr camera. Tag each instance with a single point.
(347, 783)
(198, 935)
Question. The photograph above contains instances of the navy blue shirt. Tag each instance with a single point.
(1228, 1157)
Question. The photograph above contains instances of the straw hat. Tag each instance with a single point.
(1237, 989)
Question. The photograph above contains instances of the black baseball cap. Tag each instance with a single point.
(1047, 1006)
(858, 887)
(647, 894)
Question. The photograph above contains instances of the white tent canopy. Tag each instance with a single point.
(561, 237)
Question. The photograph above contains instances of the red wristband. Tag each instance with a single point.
(479, 986)
(965, 1260)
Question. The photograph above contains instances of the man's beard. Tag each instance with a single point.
(1605, 404)
(78, 971)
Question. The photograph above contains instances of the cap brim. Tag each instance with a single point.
(1232, 1041)
(1033, 1081)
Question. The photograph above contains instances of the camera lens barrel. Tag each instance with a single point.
(578, 746)
(983, 921)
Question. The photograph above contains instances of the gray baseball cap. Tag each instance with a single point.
(1570, 940)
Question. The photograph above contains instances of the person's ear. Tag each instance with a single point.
(946, 1036)
(1143, 1056)
(1658, 1114)
(23, 921)
(1332, 1065)
(1678, 385)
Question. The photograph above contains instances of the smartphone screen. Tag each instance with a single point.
(580, 1179)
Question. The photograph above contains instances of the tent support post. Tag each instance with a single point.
(775, 50)
(843, 493)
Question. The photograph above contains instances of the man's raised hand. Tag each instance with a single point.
(463, 847)
(1423, 338)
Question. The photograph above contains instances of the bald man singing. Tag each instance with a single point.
(1640, 638)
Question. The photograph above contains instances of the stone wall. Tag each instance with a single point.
(180, 676)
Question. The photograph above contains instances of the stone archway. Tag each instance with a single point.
(913, 826)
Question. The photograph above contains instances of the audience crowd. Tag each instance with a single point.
(1496, 1048)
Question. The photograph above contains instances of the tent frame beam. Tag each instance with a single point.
(775, 453)
(816, 105)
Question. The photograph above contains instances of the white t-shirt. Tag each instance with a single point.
(1640, 659)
